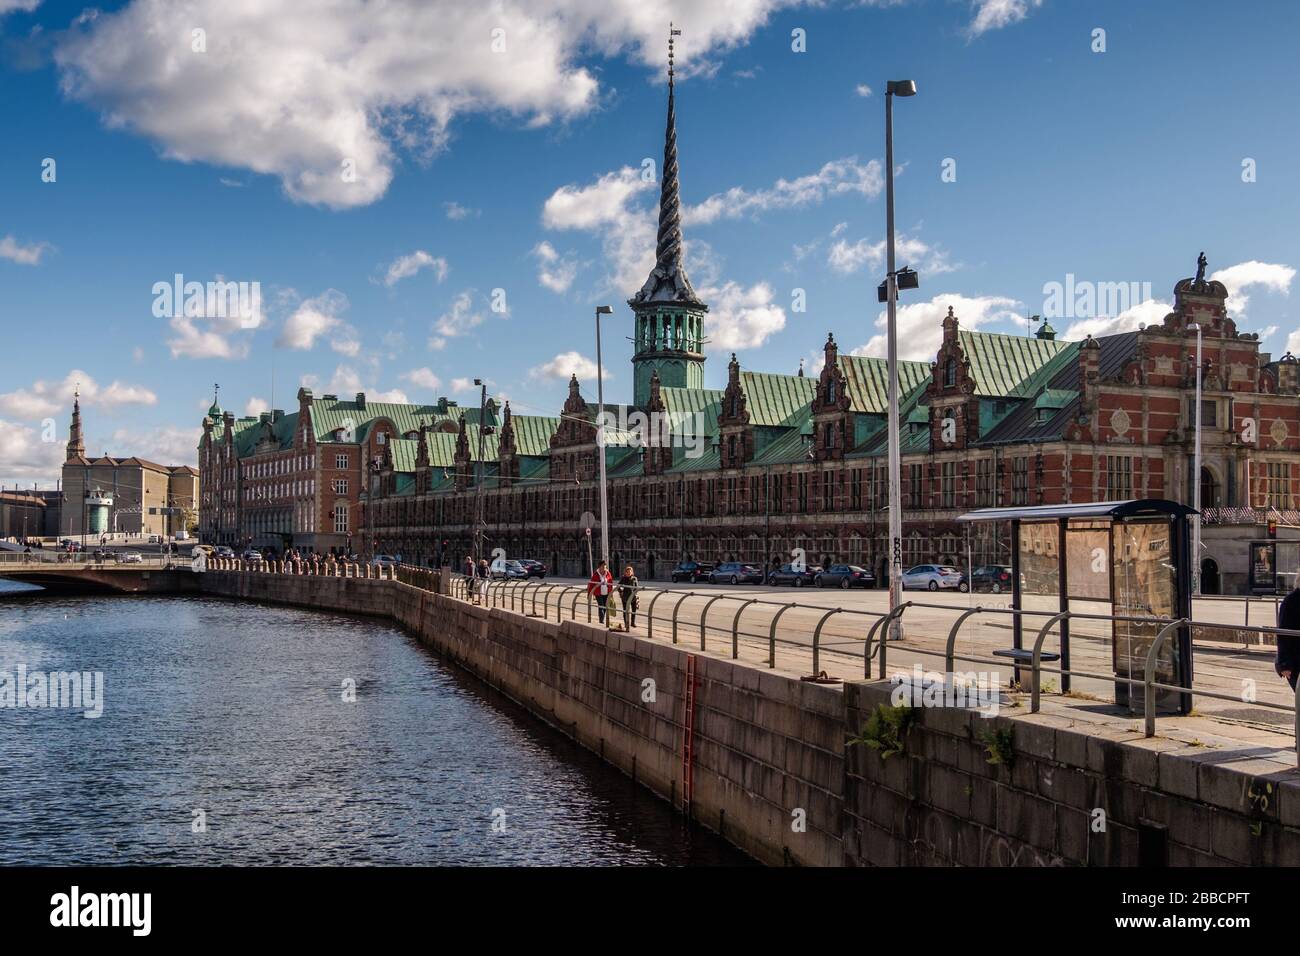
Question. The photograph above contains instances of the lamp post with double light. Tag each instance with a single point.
(894, 88)
(600, 437)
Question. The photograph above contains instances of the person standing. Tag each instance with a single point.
(627, 588)
(1288, 647)
(601, 583)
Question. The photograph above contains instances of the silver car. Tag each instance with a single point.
(935, 577)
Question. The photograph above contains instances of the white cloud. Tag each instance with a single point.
(1293, 342)
(217, 333)
(317, 317)
(25, 458)
(15, 251)
(920, 324)
(167, 445)
(456, 321)
(14, 6)
(296, 89)
(996, 14)
(346, 380)
(836, 178)
(847, 257)
(403, 267)
(461, 385)
(1149, 312)
(1238, 279)
(741, 318)
(255, 406)
(862, 90)
(423, 378)
(566, 364)
(456, 212)
(554, 271)
(45, 398)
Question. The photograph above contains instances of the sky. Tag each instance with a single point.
(422, 193)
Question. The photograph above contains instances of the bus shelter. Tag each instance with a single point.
(1124, 566)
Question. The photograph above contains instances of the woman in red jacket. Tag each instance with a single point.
(601, 583)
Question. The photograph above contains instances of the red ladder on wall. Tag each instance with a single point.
(688, 738)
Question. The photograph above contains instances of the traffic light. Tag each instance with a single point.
(1272, 527)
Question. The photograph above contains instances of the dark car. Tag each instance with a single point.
(788, 574)
(736, 572)
(692, 572)
(534, 568)
(991, 577)
(845, 576)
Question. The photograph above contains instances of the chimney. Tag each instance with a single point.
(1288, 374)
(1089, 363)
(361, 400)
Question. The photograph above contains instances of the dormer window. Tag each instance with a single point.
(830, 392)
(381, 438)
(950, 373)
(830, 434)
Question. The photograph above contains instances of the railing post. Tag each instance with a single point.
(688, 594)
(735, 628)
(817, 636)
(952, 637)
(650, 614)
(1035, 675)
(884, 639)
(704, 617)
(1148, 682)
(771, 633)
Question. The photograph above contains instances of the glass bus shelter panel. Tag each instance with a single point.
(1145, 585)
(1274, 566)
(1040, 569)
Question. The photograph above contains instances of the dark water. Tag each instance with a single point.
(236, 710)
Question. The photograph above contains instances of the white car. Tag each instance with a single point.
(383, 561)
(129, 557)
(935, 577)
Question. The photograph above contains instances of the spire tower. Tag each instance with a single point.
(76, 445)
(669, 315)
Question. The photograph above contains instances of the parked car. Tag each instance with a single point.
(383, 561)
(736, 572)
(692, 572)
(204, 549)
(845, 576)
(223, 551)
(508, 571)
(788, 574)
(251, 554)
(935, 577)
(534, 568)
(991, 577)
(129, 557)
(101, 554)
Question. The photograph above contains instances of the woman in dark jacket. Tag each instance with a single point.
(627, 588)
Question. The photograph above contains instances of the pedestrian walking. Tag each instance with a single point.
(1288, 648)
(627, 588)
(601, 583)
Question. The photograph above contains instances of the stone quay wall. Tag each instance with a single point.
(770, 770)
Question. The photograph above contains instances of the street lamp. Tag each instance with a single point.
(600, 437)
(478, 473)
(893, 88)
(1196, 473)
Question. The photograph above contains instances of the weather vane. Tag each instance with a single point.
(671, 33)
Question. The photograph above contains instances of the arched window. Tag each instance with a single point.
(830, 435)
(830, 391)
(950, 373)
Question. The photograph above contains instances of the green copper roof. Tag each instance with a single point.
(1001, 363)
(776, 399)
(331, 414)
(868, 381)
(533, 433)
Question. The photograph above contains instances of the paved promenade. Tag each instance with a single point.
(1221, 666)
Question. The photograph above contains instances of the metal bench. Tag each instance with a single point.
(1023, 655)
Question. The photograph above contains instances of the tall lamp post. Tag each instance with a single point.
(478, 473)
(600, 437)
(893, 88)
(1196, 473)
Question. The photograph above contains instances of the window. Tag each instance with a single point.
(949, 484)
(828, 494)
(339, 486)
(830, 434)
(1020, 481)
(341, 518)
(1119, 478)
(381, 437)
(830, 391)
(1275, 477)
(340, 461)
(950, 373)
(856, 494)
(1209, 413)
(984, 482)
(914, 483)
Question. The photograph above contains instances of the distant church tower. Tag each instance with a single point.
(669, 335)
(76, 446)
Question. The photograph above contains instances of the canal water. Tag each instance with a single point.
(226, 738)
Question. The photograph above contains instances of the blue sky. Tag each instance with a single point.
(520, 170)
